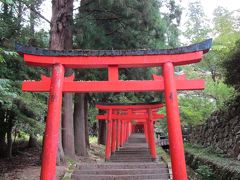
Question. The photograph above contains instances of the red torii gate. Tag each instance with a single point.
(119, 127)
(112, 60)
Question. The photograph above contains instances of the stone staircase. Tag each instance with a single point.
(133, 161)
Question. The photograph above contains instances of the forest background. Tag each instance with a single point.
(110, 24)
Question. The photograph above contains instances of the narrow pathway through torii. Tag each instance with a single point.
(132, 161)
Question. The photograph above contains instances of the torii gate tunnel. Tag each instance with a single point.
(122, 120)
(113, 60)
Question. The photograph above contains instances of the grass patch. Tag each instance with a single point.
(93, 139)
(212, 156)
(70, 168)
(163, 154)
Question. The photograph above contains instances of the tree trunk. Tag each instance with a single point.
(9, 138)
(67, 124)
(61, 157)
(61, 25)
(79, 126)
(19, 15)
(32, 20)
(86, 120)
(3, 129)
(2, 144)
(61, 38)
(101, 132)
(32, 142)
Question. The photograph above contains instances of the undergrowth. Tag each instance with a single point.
(213, 156)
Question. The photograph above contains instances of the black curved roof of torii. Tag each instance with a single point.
(202, 46)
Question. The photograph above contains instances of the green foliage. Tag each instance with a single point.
(164, 155)
(197, 25)
(7, 1)
(211, 155)
(219, 92)
(19, 112)
(205, 171)
(122, 25)
(194, 109)
(17, 24)
(232, 67)
(6, 96)
(211, 68)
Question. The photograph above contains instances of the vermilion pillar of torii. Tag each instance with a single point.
(113, 60)
(125, 114)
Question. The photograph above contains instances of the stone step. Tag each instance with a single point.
(121, 171)
(126, 156)
(109, 165)
(130, 156)
(120, 177)
(133, 149)
(132, 152)
(131, 160)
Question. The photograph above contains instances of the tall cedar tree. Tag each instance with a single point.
(81, 118)
(61, 38)
(125, 24)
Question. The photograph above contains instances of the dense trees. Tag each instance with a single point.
(225, 33)
(20, 112)
(232, 67)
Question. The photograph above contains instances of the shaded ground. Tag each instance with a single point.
(25, 164)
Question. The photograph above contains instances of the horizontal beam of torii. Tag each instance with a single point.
(130, 117)
(157, 84)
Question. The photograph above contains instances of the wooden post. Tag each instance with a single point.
(174, 126)
(151, 135)
(49, 156)
(109, 135)
(114, 135)
(119, 134)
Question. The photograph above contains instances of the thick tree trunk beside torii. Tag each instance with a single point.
(79, 125)
(61, 38)
(86, 120)
(102, 132)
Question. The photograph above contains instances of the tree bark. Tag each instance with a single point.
(61, 38)
(32, 20)
(32, 142)
(3, 129)
(79, 126)
(2, 144)
(86, 120)
(9, 137)
(61, 158)
(67, 124)
(61, 25)
(101, 132)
